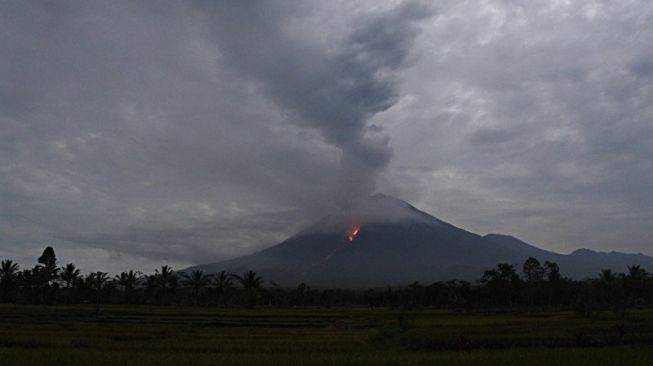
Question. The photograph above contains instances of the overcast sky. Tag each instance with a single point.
(137, 133)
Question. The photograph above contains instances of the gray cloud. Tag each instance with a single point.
(535, 123)
(332, 88)
(133, 134)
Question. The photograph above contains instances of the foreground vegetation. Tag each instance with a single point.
(532, 287)
(172, 335)
(51, 315)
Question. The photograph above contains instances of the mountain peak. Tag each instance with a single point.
(380, 240)
(374, 209)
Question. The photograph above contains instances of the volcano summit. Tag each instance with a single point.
(384, 241)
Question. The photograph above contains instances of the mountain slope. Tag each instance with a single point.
(398, 244)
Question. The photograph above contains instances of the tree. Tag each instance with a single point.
(69, 275)
(26, 280)
(637, 274)
(221, 283)
(533, 271)
(128, 281)
(251, 284)
(97, 281)
(554, 279)
(552, 271)
(533, 274)
(151, 286)
(249, 280)
(48, 260)
(197, 281)
(167, 280)
(303, 291)
(606, 276)
(8, 277)
(503, 283)
(635, 281)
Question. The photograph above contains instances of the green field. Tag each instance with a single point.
(143, 335)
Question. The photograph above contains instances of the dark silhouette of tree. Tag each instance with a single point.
(302, 293)
(249, 280)
(8, 278)
(221, 284)
(499, 288)
(167, 281)
(554, 279)
(607, 276)
(48, 260)
(26, 279)
(251, 284)
(552, 271)
(69, 275)
(635, 284)
(44, 275)
(197, 281)
(127, 281)
(637, 274)
(503, 284)
(533, 275)
(97, 281)
(533, 271)
(151, 287)
(609, 291)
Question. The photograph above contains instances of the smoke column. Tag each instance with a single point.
(334, 90)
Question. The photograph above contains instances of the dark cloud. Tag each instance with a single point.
(134, 134)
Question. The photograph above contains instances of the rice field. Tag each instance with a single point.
(144, 335)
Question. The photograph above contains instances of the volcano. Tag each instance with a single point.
(383, 241)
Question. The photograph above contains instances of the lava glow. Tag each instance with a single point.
(353, 232)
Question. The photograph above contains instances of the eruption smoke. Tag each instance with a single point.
(333, 88)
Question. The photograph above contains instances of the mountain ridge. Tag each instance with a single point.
(398, 244)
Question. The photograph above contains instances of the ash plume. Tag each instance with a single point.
(333, 88)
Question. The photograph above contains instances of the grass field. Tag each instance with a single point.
(143, 335)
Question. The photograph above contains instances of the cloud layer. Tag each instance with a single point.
(134, 134)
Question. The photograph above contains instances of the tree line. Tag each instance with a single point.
(531, 286)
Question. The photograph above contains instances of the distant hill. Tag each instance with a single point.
(397, 244)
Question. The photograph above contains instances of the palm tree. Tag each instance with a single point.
(167, 279)
(164, 276)
(8, 276)
(251, 283)
(151, 285)
(249, 280)
(197, 281)
(221, 283)
(128, 281)
(69, 275)
(97, 281)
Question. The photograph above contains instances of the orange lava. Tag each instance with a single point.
(353, 232)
